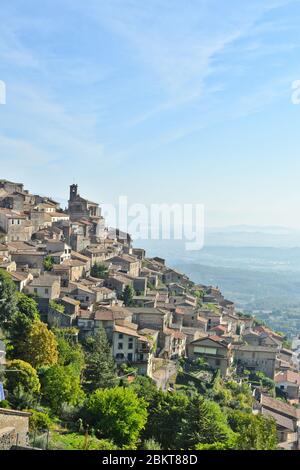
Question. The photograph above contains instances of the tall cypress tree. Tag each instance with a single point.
(100, 369)
(128, 296)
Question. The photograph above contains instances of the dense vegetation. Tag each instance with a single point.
(79, 402)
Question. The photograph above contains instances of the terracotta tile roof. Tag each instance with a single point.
(214, 338)
(148, 310)
(70, 300)
(86, 314)
(80, 256)
(60, 267)
(110, 314)
(44, 280)
(219, 327)
(203, 319)
(21, 246)
(58, 214)
(288, 376)
(217, 339)
(123, 257)
(19, 276)
(80, 286)
(12, 214)
(179, 311)
(73, 263)
(126, 330)
(279, 406)
(282, 421)
(175, 333)
(83, 222)
(264, 329)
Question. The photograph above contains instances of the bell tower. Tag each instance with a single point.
(73, 192)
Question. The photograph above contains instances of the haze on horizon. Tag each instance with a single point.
(155, 102)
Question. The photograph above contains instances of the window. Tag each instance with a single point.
(129, 356)
(130, 345)
(120, 345)
(218, 362)
(205, 350)
(119, 356)
(46, 290)
(120, 335)
(35, 290)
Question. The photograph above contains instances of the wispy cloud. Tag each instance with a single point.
(181, 47)
(93, 86)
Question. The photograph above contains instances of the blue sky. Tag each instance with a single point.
(164, 101)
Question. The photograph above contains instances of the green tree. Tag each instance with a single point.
(145, 388)
(22, 383)
(151, 444)
(100, 369)
(8, 299)
(205, 423)
(48, 263)
(69, 353)
(214, 446)
(255, 432)
(99, 270)
(27, 306)
(61, 385)
(41, 345)
(117, 414)
(128, 295)
(166, 414)
(265, 381)
(21, 323)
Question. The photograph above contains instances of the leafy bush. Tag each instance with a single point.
(39, 421)
(117, 414)
(73, 441)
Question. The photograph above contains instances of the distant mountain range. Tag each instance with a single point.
(244, 235)
(239, 236)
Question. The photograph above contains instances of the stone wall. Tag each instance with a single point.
(7, 438)
(18, 420)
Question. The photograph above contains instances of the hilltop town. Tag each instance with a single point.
(85, 277)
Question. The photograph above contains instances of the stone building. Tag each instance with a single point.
(255, 358)
(214, 350)
(81, 210)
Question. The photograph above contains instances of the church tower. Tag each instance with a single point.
(73, 192)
